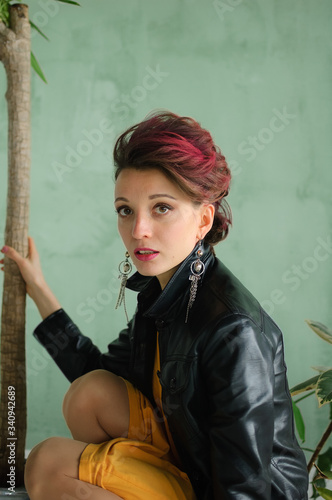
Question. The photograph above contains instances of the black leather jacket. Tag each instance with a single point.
(223, 377)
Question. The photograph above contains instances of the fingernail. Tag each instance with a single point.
(4, 249)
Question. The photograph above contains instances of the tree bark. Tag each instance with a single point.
(15, 55)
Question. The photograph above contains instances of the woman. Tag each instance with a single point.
(191, 401)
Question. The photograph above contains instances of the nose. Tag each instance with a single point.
(142, 227)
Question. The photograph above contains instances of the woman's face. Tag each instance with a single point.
(158, 223)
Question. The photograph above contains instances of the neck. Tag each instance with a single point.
(165, 277)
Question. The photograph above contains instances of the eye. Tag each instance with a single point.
(162, 209)
(123, 211)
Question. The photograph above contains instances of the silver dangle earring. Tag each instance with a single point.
(197, 268)
(124, 268)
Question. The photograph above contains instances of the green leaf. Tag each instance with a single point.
(317, 483)
(324, 461)
(69, 1)
(322, 475)
(299, 422)
(324, 388)
(326, 473)
(37, 68)
(305, 396)
(4, 11)
(321, 369)
(35, 27)
(324, 493)
(305, 386)
(321, 330)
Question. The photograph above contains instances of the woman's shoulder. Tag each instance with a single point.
(221, 287)
(224, 301)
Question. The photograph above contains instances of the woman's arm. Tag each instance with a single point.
(74, 353)
(36, 286)
(238, 369)
(254, 453)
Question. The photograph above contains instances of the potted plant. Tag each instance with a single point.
(321, 386)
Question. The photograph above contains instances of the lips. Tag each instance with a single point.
(145, 254)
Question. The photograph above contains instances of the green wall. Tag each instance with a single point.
(257, 74)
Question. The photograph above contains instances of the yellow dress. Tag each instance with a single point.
(142, 466)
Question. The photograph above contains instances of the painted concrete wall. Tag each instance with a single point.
(257, 74)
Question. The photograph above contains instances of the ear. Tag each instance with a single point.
(207, 216)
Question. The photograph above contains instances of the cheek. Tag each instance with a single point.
(190, 226)
(185, 234)
(122, 230)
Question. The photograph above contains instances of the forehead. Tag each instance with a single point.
(133, 182)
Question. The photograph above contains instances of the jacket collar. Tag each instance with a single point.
(155, 303)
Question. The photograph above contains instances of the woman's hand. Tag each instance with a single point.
(32, 274)
(30, 266)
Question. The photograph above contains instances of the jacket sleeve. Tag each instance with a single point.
(239, 374)
(75, 354)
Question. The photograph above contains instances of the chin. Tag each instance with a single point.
(145, 271)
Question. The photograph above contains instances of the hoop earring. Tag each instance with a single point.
(197, 268)
(124, 268)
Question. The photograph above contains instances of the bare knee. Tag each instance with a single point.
(84, 393)
(94, 395)
(41, 466)
(53, 467)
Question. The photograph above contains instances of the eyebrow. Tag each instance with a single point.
(162, 195)
(152, 197)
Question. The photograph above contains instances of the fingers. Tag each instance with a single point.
(11, 253)
(14, 255)
(32, 248)
(28, 266)
(5, 250)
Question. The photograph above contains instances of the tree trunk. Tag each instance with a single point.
(15, 55)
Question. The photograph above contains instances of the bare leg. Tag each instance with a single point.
(52, 473)
(96, 407)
